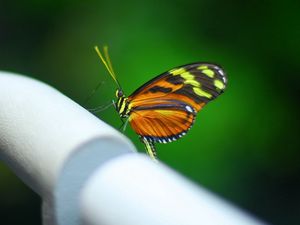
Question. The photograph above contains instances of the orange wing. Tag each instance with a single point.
(163, 109)
(164, 122)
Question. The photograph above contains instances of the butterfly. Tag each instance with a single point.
(164, 109)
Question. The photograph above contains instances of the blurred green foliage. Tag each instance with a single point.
(244, 146)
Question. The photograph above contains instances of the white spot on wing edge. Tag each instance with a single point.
(221, 72)
(189, 108)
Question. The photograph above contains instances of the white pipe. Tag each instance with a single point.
(133, 190)
(81, 168)
(41, 129)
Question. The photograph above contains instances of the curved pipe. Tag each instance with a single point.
(85, 171)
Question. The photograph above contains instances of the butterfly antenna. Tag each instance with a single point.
(107, 63)
(88, 98)
(106, 55)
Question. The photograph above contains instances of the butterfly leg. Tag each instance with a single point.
(123, 125)
(101, 108)
(150, 148)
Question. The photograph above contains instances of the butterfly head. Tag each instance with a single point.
(119, 93)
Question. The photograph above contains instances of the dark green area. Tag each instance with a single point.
(244, 146)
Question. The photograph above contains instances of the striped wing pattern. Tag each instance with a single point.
(164, 109)
(163, 122)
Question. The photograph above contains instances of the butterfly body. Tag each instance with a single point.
(122, 106)
(164, 109)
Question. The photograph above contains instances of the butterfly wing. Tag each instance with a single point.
(164, 108)
(193, 83)
(164, 121)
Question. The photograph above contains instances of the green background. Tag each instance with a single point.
(244, 146)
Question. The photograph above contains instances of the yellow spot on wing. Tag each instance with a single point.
(187, 76)
(192, 82)
(219, 84)
(165, 112)
(208, 72)
(200, 92)
(190, 79)
(202, 67)
(177, 71)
